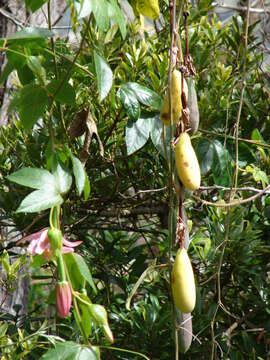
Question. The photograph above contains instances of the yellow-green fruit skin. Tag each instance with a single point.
(176, 91)
(149, 8)
(183, 284)
(187, 165)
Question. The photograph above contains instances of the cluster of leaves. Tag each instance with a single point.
(120, 79)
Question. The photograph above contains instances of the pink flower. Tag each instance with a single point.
(63, 298)
(39, 244)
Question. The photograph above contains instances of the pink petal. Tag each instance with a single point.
(71, 243)
(35, 236)
(39, 242)
(66, 250)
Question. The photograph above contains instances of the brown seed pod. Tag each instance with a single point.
(194, 116)
(184, 322)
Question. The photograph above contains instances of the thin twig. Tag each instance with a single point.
(235, 202)
(223, 188)
(10, 17)
(241, 97)
(172, 5)
(143, 192)
(241, 8)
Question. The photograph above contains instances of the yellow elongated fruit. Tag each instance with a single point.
(149, 8)
(176, 90)
(183, 284)
(187, 165)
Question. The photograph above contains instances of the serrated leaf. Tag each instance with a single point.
(145, 96)
(222, 169)
(34, 5)
(65, 94)
(31, 102)
(31, 33)
(33, 178)
(70, 350)
(137, 134)
(79, 174)
(40, 200)
(130, 102)
(63, 178)
(104, 76)
(205, 152)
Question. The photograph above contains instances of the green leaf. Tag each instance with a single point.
(156, 136)
(100, 11)
(34, 5)
(130, 102)
(6, 72)
(145, 96)
(87, 188)
(258, 174)
(34, 64)
(79, 173)
(40, 200)
(104, 76)
(70, 350)
(83, 8)
(137, 134)
(256, 136)
(33, 178)
(222, 169)
(63, 178)
(31, 33)
(31, 102)
(85, 272)
(205, 152)
(117, 16)
(65, 94)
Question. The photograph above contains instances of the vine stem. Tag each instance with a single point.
(232, 194)
(241, 97)
(172, 6)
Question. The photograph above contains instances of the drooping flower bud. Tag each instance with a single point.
(63, 298)
(100, 317)
(56, 241)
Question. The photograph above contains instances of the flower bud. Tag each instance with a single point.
(56, 240)
(63, 298)
(100, 317)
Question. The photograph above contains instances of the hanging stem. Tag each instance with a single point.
(172, 5)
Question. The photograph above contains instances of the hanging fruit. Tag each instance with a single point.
(183, 283)
(187, 165)
(176, 91)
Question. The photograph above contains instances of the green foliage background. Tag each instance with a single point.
(123, 225)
